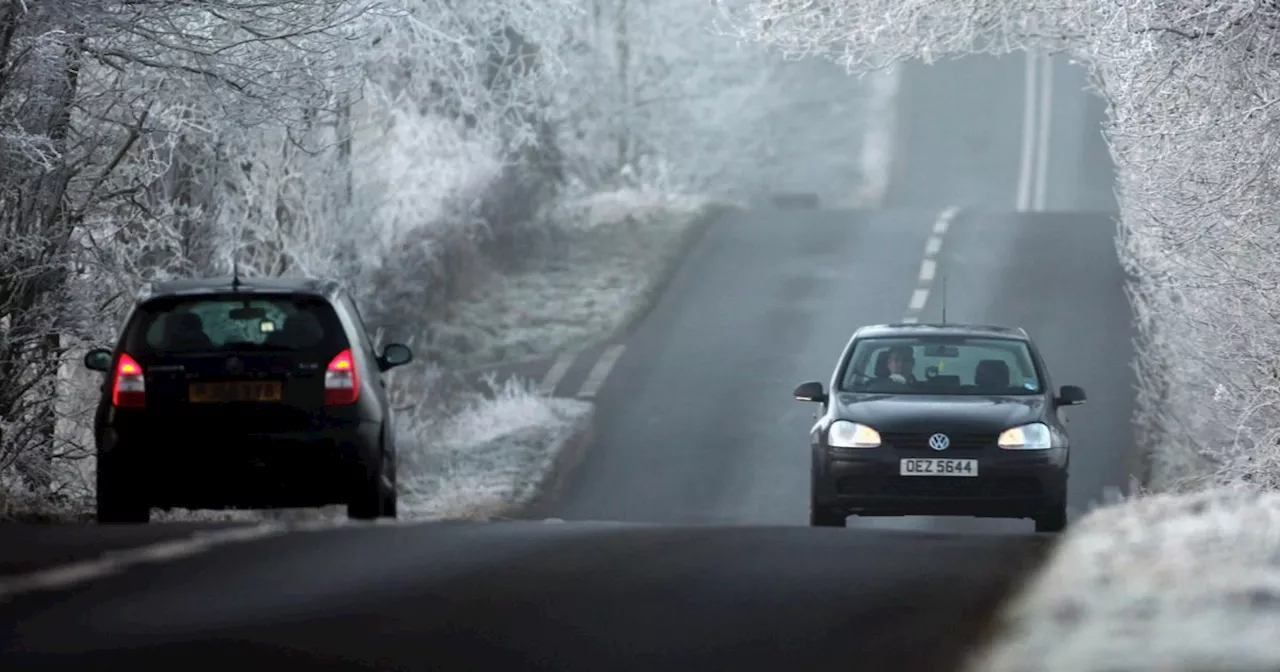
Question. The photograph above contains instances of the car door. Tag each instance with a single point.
(371, 354)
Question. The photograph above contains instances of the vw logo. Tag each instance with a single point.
(939, 442)
(235, 367)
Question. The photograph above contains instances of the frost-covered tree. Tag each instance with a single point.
(654, 94)
(105, 114)
(152, 138)
(1191, 87)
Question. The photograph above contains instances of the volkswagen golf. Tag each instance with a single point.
(940, 420)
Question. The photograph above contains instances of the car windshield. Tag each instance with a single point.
(226, 323)
(941, 365)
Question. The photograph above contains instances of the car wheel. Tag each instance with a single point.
(823, 517)
(369, 497)
(1054, 520)
(118, 499)
(389, 495)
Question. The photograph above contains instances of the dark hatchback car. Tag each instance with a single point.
(940, 420)
(244, 393)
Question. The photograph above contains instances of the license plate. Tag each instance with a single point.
(937, 466)
(248, 390)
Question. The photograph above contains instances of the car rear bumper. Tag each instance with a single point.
(217, 470)
(1008, 484)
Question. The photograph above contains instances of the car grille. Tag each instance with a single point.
(940, 486)
(920, 440)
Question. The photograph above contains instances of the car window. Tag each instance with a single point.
(229, 323)
(943, 365)
(362, 329)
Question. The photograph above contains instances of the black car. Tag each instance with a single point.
(940, 420)
(244, 393)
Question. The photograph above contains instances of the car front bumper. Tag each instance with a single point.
(1008, 484)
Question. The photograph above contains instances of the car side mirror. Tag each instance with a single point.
(811, 391)
(393, 355)
(98, 359)
(1070, 395)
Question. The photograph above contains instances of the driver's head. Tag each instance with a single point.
(901, 359)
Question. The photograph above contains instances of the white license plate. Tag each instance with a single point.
(937, 466)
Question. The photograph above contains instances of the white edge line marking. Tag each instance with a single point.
(932, 246)
(599, 372)
(927, 269)
(117, 561)
(1028, 131)
(918, 299)
(556, 373)
(1042, 145)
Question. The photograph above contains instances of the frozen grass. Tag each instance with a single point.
(491, 458)
(1167, 583)
(614, 246)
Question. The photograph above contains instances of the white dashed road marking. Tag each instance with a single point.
(918, 299)
(600, 372)
(115, 562)
(556, 373)
(929, 265)
(932, 246)
(927, 269)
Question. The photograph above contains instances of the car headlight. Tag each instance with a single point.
(1035, 436)
(845, 434)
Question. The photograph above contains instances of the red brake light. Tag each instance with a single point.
(129, 387)
(341, 383)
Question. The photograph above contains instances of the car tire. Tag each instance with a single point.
(1052, 520)
(369, 497)
(389, 497)
(119, 500)
(821, 516)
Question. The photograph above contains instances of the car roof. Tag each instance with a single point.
(935, 329)
(317, 287)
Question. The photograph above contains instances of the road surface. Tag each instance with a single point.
(696, 425)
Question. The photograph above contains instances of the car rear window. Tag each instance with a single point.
(230, 323)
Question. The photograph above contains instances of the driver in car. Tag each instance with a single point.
(900, 363)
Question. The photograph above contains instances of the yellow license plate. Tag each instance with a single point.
(248, 390)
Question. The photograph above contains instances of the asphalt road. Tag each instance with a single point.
(696, 425)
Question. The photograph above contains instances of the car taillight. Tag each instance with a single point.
(129, 388)
(341, 384)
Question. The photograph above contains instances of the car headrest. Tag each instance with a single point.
(882, 365)
(991, 373)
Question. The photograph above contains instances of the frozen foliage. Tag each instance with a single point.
(102, 108)
(1163, 583)
(677, 104)
(674, 102)
(493, 457)
(613, 247)
(1191, 89)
